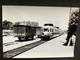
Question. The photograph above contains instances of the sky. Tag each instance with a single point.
(58, 16)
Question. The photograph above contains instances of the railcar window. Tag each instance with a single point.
(45, 29)
(50, 30)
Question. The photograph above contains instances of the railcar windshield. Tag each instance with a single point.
(46, 29)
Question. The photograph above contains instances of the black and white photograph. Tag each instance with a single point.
(39, 31)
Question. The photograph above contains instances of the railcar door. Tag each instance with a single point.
(33, 31)
(27, 31)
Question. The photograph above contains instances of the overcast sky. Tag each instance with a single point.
(59, 16)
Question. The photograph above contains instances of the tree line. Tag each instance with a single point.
(7, 25)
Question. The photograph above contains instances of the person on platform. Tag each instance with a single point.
(73, 22)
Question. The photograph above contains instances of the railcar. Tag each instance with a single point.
(25, 31)
(39, 31)
(49, 31)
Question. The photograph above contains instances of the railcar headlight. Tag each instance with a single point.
(48, 33)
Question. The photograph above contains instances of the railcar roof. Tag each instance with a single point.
(21, 25)
(48, 24)
(27, 26)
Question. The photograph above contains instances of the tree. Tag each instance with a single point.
(74, 18)
(73, 22)
(17, 23)
(6, 24)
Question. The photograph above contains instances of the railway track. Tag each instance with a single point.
(19, 50)
(13, 42)
(10, 43)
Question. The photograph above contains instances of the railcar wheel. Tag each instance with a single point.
(32, 37)
(26, 37)
(42, 38)
(49, 37)
(38, 36)
(19, 38)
